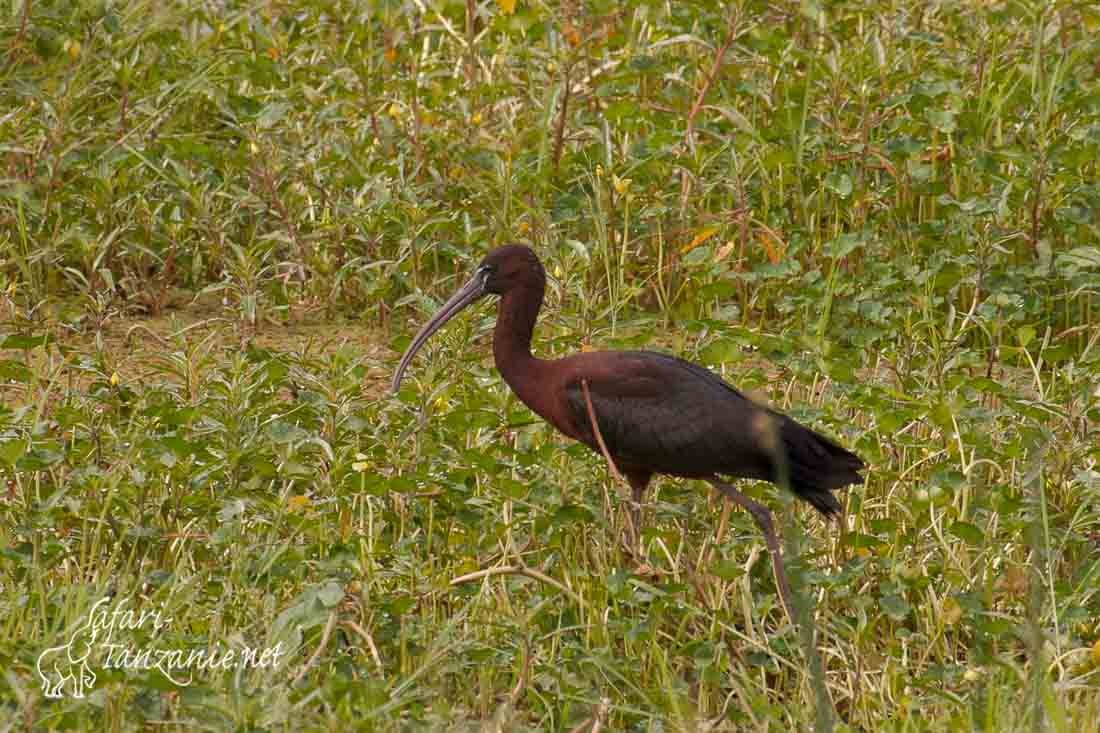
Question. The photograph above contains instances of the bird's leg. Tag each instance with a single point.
(636, 507)
(638, 482)
(763, 518)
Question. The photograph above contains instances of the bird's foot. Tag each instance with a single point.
(763, 519)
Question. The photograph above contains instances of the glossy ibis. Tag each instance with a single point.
(646, 412)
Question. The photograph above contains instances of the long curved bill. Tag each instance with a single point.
(468, 293)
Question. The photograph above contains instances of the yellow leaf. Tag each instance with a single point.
(699, 239)
(572, 35)
(1013, 582)
(952, 611)
(345, 523)
(773, 246)
(507, 7)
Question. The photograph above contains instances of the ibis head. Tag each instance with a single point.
(499, 272)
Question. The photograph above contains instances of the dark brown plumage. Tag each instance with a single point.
(655, 413)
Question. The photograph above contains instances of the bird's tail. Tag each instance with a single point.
(816, 466)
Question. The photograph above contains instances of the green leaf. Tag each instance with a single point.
(284, 432)
(720, 352)
(843, 245)
(511, 488)
(737, 119)
(920, 172)
(572, 513)
(1080, 258)
(15, 371)
(967, 532)
(272, 114)
(12, 450)
(231, 509)
(579, 249)
(330, 594)
(839, 183)
(941, 119)
(24, 342)
(941, 415)
(727, 569)
(894, 606)
(858, 540)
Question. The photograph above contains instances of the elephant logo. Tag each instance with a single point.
(68, 664)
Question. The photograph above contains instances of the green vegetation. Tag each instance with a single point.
(220, 220)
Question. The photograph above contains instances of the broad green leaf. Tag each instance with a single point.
(25, 342)
(844, 245)
(968, 532)
(894, 606)
(839, 183)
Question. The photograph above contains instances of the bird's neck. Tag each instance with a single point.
(531, 379)
(519, 309)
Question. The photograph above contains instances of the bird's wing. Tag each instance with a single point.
(667, 415)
